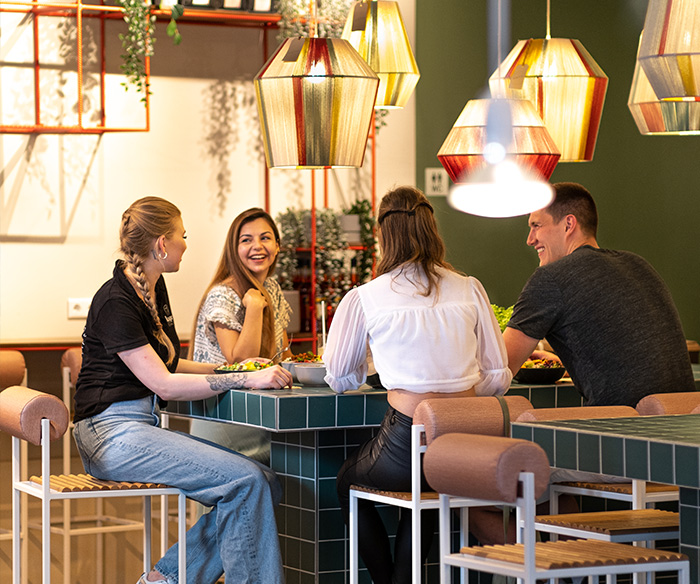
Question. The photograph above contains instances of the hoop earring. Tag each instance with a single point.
(164, 256)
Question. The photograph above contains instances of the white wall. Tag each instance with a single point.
(61, 197)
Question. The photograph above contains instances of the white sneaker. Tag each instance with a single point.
(144, 580)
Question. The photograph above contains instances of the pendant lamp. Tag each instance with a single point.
(670, 50)
(655, 116)
(499, 184)
(376, 30)
(527, 142)
(315, 102)
(566, 86)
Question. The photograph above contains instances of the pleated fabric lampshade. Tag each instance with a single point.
(531, 146)
(655, 116)
(566, 86)
(315, 100)
(375, 28)
(670, 50)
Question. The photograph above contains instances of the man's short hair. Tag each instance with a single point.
(574, 199)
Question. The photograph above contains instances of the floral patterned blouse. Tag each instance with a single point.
(224, 307)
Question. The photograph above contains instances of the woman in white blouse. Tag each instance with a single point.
(432, 333)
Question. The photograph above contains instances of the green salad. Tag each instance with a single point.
(502, 315)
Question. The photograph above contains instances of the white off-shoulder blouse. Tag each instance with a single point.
(447, 342)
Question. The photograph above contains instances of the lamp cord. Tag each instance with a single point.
(548, 18)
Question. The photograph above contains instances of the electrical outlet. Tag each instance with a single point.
(78, 307)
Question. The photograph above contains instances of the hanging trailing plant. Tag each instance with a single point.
(138, 41)
(295, 18)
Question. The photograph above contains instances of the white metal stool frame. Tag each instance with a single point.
(415, 504)
(47, 495)
(527, 571)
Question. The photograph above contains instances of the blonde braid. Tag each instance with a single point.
(135, 237)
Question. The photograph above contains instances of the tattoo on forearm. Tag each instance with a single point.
(219, 383)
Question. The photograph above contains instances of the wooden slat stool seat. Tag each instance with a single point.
(84, 482)
(575, 554)
(626, 525)
(491, 470)
(401, 495)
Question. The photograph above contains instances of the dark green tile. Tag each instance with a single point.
(294, 460)
(543, 397)
(269, 409)
(338, 577)
(690, 497)
(545, 438)
(322, 411)
(292, 494)
(351, 410)
(308, 494)
(252, 406)
(226, 406)
(292, 412)
(330, 461)
(291, 575)
(661, 458)
(278, 460)
(211, 407)
(376, 406)
(565, 449)
(331, 438)
(307, 578)
(239, 411)
(568, 397)
(636, 459)
(690, 524)
(331, 555)
(589, 452)
(521, 391)
(198, 408)
(308, 438)
(613, 456)
(308, 525)
(308, 556)
(327, 496)
(687, 466)
(293, 555)
(292, 517)
(308, 463)
(331, 524)
(522, 432)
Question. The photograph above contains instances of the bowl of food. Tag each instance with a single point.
(540, 371)
(239, 367)
(311, 373)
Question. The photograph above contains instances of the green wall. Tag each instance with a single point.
(647, 187)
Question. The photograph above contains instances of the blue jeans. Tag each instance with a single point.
(237, 537)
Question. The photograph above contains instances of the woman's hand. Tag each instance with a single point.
(269, 378)
(254, 299)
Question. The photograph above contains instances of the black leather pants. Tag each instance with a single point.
(384, 462)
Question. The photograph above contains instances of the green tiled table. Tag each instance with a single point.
(313, 431)
(663, 449)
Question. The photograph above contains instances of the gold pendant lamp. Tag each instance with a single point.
(655, 116)
(375, 28)
(315, 102)
(566, 86)
(670, 49)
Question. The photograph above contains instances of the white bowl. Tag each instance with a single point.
(311, 373)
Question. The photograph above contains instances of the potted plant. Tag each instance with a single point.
(362, 209)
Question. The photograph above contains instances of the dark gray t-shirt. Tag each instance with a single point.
(611, 319)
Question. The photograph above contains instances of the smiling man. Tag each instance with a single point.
(607, 313)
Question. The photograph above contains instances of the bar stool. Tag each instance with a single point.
(490, 415)
(36, 417)
(492, 470)
(660, 404)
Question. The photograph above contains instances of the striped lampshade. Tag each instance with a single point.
(531, 146)
(315, 101)
(655, 116)
(375, 28)
(670, 49)
(566, 86)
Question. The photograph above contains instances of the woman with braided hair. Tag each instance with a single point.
(130, 366)
(432, 333)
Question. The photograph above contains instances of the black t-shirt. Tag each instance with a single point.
(611, 319)
(119, 320)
